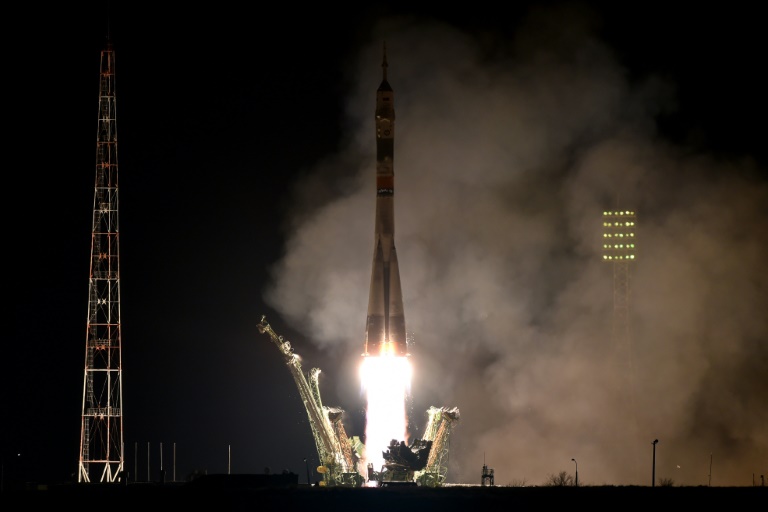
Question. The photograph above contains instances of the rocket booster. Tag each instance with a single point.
(385, 327)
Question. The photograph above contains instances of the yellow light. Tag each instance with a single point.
(386, 380)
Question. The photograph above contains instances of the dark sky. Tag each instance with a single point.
(246, 164)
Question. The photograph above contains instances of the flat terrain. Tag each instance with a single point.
(252, 494)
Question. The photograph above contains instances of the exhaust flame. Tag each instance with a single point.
(386, 380)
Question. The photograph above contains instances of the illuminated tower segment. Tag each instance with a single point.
(101, 432)
(619, 230)
(619, 249)
(385, 326)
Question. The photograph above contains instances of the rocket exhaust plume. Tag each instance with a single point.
(385, 371)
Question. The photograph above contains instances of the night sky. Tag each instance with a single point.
(246, 152)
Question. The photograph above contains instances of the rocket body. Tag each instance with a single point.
(385, 326)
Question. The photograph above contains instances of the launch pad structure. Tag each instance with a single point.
(334, 448)
(423, 463)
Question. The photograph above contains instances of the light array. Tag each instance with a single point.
(619, 235)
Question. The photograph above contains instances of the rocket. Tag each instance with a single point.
(385, 326)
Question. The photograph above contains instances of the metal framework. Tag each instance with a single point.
(101, 433)
(439, 427)
(486, 479)
(334, 448)
(619, 250)
(339, 453)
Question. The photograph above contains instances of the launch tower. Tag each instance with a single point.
(101, 432)
(334, 449)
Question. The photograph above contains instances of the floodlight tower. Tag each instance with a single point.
(101, 432)
(619, 250)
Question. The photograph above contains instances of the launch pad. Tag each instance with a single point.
(423, 463)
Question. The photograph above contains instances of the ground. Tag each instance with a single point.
(282, 492)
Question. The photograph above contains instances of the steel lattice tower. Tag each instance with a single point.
(620, 251)
(101, 434)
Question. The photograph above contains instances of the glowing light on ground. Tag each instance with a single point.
(386, 381)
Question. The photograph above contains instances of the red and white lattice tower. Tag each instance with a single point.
(101, 435)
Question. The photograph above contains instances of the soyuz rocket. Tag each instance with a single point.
(385, 326)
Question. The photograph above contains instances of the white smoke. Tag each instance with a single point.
(506, 154)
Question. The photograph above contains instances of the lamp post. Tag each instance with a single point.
(307, 465)
(653, 473)
(577, 472)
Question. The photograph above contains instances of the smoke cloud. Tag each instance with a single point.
(506, 154)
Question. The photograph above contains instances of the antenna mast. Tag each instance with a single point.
(101, 434)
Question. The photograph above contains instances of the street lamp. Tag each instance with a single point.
(653, 474)
(307, 465)
(577, 472)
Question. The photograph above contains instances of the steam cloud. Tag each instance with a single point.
(506, 154)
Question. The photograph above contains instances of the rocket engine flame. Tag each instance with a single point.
(386, 381)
